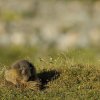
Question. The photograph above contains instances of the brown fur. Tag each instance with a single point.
(22, 72)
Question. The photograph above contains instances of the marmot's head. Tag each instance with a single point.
(26, 69)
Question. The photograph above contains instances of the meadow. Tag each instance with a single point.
(73, 74)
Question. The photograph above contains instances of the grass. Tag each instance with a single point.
(70, 75)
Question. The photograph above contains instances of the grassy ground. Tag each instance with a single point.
(70, 75)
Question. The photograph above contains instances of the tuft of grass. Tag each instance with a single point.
(70, 75)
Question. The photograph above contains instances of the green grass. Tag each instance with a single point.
(70, 75)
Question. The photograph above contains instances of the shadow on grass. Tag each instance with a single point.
(47, 76)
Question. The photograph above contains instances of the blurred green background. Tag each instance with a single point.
(38, 26)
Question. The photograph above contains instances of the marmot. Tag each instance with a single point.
(21, 72)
